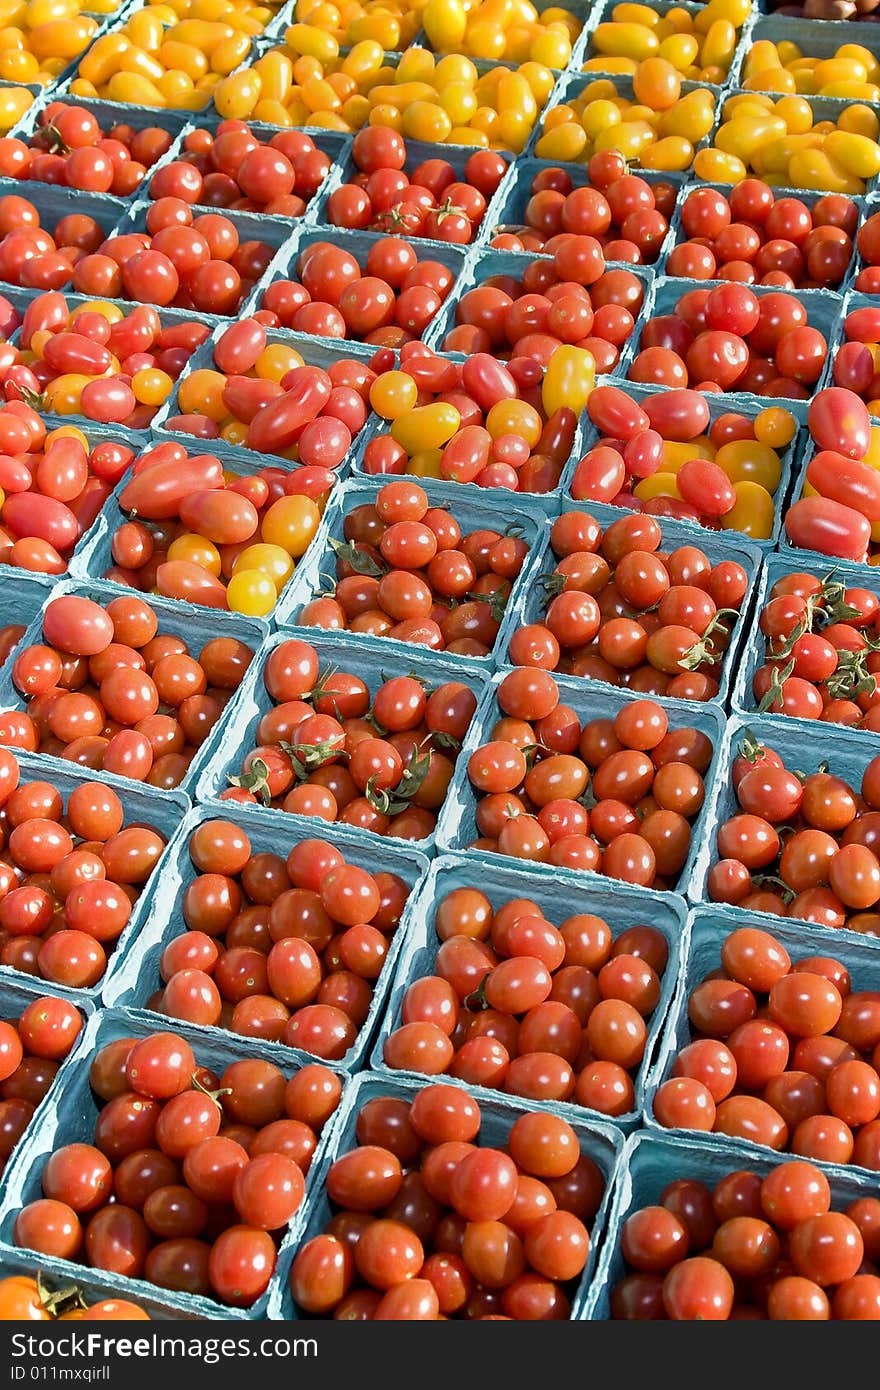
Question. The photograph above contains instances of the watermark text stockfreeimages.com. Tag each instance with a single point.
(98, 1345)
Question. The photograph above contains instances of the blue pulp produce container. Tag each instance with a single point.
(801, 744)
(108, 114)
(708, 929)
(814, 39)
(620, 905)
(53, 202)
(17, 992)
(135, 976)
(143, 805)
(549, 502)
(70, 1117)
(485, 262)
(62, 92)
(168, 317)
(581, 9)
(93, 556)
(823, 108)
(22, 595)
(510, 210)
(193, 624)
(824, 308)
(776, 567)
(90, 1282)
(316, 352)
(347, 651)
(417, 151)
(719, 404)
(598, 1141)
(24, 592)
(502, 497)
(810, 198)
(572, 84)
(333, 143)
(105, 23)
(603, 13)
(531, 606)
(317, 567)
(457, 827)
(357, 244)
(651, 1161)
(273, 232)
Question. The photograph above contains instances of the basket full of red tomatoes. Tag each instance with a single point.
(272, 936)
(500, 987)
(417, 565)
(792, 826)
(176, 1088)
(332, 727)
(813, 653)
(388, 1123)
(574, 776)
(772, 1042)
(634, 601)
(695, 1234)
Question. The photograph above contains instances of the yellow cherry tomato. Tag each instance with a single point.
(743, 459)
(66, 432)
(775, 426)
(636, 41)
(234, 432)
(658, 485)
(272, 560)
(692, 117)
(62, 396)
(816, 169)
(568, 380)
(151, 386)
(676, 453)
(515, 417)
(251, 592)
(426, 427)
(197, 551)
(201, 393)
(752, 513)
(564, 144)
(858, 154)
(13, 104)
(392, 394)
(445, 23)
(673, 152)
(290, 523)
(425, 463)
(657, 83)
(276, 360)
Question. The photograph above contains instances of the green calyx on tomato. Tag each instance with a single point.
(307, 757)
(826, 606)
(775, 693)
(362, 563)
(852, 677)
(751, 749)
(705, 650)
(255, 780)
(411, 779)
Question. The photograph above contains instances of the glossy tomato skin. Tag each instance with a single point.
(829, 526)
